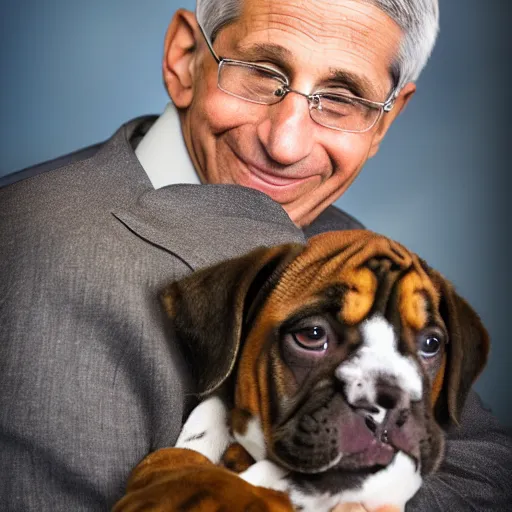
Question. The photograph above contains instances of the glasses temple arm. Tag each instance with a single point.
(208, 43)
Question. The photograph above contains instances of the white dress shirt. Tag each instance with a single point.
(162, 152)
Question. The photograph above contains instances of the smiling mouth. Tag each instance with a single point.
(269, 178)
(272, 179)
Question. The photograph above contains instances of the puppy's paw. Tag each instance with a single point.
(267, 474)
(172, 480)
(206, 430)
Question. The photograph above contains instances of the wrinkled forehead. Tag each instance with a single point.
(350, 35)
(357, 275)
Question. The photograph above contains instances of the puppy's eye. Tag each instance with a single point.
(311, 338)
(429, 345)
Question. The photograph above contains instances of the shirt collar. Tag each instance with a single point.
(163, 154)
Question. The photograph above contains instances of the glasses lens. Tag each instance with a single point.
(344, 113)
(252, 83)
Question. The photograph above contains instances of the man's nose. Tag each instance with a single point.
(287, 130)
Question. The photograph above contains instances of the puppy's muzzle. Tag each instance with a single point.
(390, 414)
(336, 428)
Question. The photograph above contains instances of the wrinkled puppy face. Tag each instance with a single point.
(343, 357)
(345, 360)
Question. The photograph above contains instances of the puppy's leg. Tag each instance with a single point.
(265, 473)
(206, 430)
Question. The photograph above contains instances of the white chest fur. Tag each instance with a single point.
(206, 431)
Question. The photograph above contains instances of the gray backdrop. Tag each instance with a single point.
(72, 71)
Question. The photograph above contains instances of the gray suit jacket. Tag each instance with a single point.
(90, 382)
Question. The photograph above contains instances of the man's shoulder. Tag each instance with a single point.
(51, 165)
(134, 131)
(332, 219)
(74, 191)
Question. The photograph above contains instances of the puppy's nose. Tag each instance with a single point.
(388, 395)
(387, 408)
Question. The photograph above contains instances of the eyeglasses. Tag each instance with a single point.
(264, 85)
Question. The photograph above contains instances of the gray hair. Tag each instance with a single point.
(418, 19)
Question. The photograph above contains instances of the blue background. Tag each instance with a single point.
(72, 71)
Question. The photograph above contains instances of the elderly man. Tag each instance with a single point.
(286, 98)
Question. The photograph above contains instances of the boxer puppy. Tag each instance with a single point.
(333, 365)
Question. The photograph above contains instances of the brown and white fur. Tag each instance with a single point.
(333, 365)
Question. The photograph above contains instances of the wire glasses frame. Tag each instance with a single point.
(257, 83)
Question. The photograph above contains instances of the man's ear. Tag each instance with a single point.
(209, 308)
(467, 350)
(387, 118)
(180, 50)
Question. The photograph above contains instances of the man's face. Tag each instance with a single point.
(279, 149)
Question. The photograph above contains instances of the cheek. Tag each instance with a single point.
(348, 152)
(218, 110)
(299, 362)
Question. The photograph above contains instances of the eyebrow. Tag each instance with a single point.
(358, 85)
(259, 51)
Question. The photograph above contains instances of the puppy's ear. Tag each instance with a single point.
(208, 309)
(467, 350)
